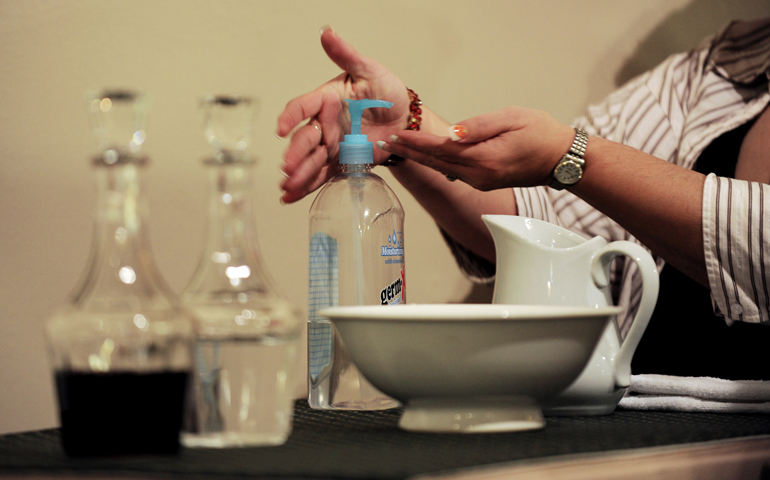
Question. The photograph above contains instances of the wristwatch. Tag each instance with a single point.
(570, 168)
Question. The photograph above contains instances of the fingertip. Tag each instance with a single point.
(285, 181)
(280, 129)
(325, 29)
(382, 145)
(286, 196)
(289, 198)
(457, 132)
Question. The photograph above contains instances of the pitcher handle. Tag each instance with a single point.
(650, 287)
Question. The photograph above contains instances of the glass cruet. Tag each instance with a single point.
(246, 351)
(121, 348)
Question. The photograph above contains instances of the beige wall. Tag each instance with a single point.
(463, 58)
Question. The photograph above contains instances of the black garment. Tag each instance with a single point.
(684, 337)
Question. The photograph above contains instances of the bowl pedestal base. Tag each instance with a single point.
(472, 415)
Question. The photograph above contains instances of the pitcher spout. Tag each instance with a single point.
(537, 233)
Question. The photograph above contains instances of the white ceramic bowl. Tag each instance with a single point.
(470, 368)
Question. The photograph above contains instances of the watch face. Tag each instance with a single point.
(568, 173)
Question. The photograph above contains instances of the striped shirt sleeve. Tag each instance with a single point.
(736, 250)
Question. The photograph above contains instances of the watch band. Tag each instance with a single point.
(570, 168)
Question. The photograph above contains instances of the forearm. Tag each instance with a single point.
(657, 202)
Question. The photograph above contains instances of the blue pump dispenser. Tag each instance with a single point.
(357, 149)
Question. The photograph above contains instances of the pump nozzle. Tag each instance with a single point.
(357, 148)
(357, 108)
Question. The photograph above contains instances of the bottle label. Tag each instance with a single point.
(393, 252)
(324, 292)
(394, 293)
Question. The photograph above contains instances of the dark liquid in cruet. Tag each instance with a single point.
(120, 413)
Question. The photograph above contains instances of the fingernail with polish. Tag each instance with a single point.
(394, 138)
(325, 28)
(382, 145)
(457, 132)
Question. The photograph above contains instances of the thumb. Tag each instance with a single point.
(343, 54)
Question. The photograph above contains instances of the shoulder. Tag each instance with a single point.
(741, 51)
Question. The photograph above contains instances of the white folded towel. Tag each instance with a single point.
(696, 394)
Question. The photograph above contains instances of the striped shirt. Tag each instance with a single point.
(674, 112)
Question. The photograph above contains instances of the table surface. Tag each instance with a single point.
(361, 444)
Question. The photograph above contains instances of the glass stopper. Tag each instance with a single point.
(117, 120)
(229, 124)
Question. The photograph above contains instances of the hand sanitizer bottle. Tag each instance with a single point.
(356, 258)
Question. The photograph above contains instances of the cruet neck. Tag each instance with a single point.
(231, 261)
(121, 272)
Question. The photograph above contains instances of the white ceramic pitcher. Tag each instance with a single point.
(539, 263)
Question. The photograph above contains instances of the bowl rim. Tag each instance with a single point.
(455, 312)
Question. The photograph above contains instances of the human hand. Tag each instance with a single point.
(512, 147)
(312, 155)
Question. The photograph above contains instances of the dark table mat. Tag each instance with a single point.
(353, 444)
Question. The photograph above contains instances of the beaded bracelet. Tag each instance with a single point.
(413, 123)
(415, 112)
